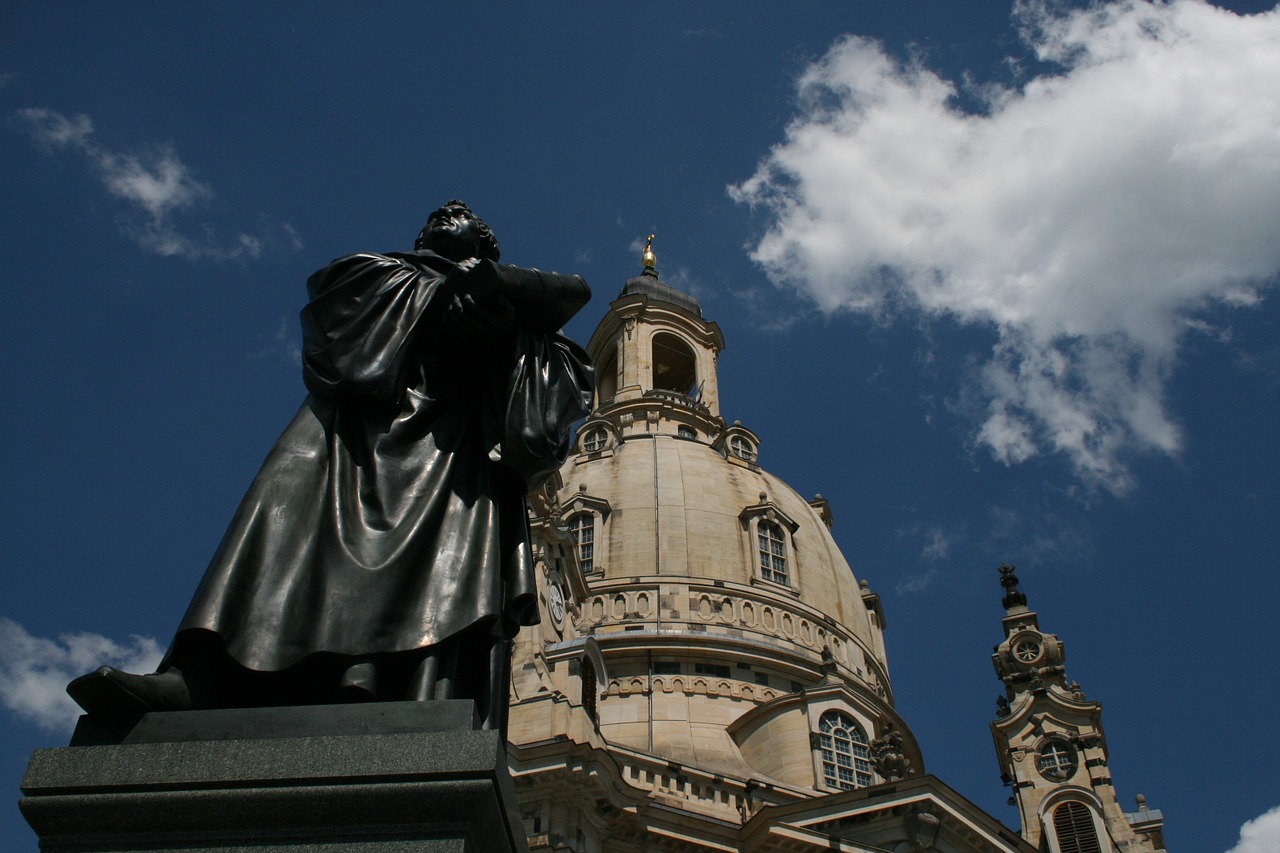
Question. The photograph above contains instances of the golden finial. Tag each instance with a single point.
(650, 259)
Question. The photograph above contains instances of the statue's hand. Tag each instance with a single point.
(474, 318)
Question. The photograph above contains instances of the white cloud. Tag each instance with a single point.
(34, 671)
(1088, 216)
(155, 182)
(1260, 835)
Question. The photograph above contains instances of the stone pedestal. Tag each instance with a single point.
(377, 777)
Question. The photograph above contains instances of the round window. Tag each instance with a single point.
(742, 448)
(1057, 760)
(1027, 648)
(595, 440)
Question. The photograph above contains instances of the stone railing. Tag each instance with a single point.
(733, 609)
(675, 398)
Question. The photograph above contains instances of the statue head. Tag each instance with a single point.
(453, 231)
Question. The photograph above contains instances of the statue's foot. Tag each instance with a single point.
(359, 683)
(110, 692)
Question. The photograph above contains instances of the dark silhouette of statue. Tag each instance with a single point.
(382, 552)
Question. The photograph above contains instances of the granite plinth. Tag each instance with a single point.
(353, 777)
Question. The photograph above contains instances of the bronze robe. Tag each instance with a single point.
(390, 515)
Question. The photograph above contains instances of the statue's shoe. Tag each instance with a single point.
(113, 693)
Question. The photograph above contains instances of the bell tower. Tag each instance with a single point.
(1052, 749)
(656, 360)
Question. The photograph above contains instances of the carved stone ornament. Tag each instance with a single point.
(888, 754)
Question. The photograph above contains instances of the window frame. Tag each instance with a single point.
(595, 439)
(572, 511)
(847, 769)
(1057, 760)
(771, 552)
(577, 523)
(1081, 825)
(768, 514)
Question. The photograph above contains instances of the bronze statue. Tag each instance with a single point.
(382, 552)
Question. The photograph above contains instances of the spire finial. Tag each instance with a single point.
(1013, 597)
(649, 258)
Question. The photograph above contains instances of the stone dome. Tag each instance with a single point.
(727, 621)
(681, 507)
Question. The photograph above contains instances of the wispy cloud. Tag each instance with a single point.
(34, 671)
(284, 343)
(1034, 536)
(917, 583)
(1260, 835)
(1088, 216)
(156, 185)
(937, 545)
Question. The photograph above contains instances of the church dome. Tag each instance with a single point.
(681, 506)
(717, 597)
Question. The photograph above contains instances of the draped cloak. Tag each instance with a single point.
(390, 515)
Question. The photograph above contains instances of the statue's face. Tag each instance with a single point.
(453, 233)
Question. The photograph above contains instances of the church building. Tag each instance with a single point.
(710, 675)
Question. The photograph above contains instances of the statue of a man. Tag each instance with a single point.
(382, 552)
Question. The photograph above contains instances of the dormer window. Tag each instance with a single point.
(844, 752)
(585, 519)
(596, 436)
(770, 538)
(738, 445)
(595, 440)
(742, 448)
(772, 551)
(583, 528)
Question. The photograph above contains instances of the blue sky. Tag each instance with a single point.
(999, 283)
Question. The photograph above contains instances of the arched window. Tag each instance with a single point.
(846, 759)
(773, 552)
(607, 378)
(674, 364)
(583, 528)
(1073, 824)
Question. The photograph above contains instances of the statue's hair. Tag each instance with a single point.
(488, 242)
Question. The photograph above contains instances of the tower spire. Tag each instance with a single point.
(1049, 741)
